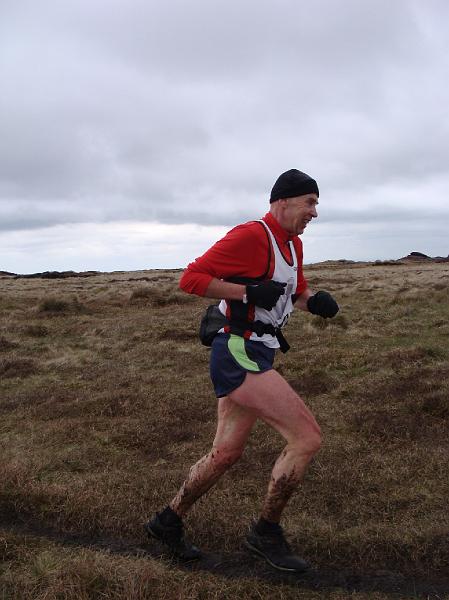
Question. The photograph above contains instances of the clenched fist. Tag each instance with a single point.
(265, 294)
(322, 304)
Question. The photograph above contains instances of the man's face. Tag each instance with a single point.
(298, 212)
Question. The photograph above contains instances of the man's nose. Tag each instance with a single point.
(314, 212)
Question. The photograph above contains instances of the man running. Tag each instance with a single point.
(256, 271)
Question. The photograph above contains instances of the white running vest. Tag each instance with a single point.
(284, 273)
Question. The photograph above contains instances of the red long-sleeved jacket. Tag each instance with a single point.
(243, 252)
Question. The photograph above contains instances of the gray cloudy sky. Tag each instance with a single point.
(134, 133)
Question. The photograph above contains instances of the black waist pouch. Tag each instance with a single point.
(211, 323)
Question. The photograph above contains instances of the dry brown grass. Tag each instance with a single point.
(105, 402)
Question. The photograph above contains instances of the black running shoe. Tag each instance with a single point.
(173, 537)
(274, 548)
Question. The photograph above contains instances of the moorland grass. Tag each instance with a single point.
(105, 407)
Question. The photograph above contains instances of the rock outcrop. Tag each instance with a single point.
(419, 256)
(57, 275)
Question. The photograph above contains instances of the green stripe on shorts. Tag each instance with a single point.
(236, 346)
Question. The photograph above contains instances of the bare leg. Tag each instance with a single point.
(234, 426)
(276, 403)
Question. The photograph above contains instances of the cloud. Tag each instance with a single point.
(107, 247)
(181, 112)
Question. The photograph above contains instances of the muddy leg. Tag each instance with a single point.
(287, 473)
(202, 476)
(234, 426)
(276, 403)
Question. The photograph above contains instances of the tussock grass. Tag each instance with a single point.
(36, 331)
(104, 408)
(55, 305)
(160, 296)
(6, 345)
(17, 367)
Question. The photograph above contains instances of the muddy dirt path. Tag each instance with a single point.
(242, 564)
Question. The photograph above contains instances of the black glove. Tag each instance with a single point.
(265, 294)
(322, 304)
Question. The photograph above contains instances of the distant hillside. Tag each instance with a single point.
(57, 275)
(419, 256)
(412, 257)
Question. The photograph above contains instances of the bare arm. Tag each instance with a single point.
(301, 301)
(234, 291)
(224, 289)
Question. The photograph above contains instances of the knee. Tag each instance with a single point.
(225, 456)
(311, 437)
(309, 443)
(314, 442)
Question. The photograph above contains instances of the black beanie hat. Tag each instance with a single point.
(293, 183)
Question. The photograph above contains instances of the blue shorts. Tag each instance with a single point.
(232, 357)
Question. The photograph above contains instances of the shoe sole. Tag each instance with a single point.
(255, 550)
(153, 534)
